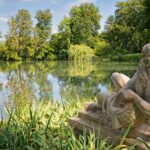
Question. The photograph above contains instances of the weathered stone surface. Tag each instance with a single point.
(82, 123)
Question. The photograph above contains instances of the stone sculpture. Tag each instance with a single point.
(129, 104)
(131, 101)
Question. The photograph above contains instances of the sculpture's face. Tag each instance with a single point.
(146, 54)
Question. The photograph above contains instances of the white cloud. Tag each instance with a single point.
(78, 2)
(3, 20)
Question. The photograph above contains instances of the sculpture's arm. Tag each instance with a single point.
(131, 83)
(141, 104)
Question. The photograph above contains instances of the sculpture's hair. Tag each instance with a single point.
(146, 50)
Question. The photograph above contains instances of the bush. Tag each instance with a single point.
(80, 52)
(102, 47)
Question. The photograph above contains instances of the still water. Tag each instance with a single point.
(58, 81)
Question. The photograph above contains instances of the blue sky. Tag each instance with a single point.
(59, 9)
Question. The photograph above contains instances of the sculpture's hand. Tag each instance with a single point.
(129, 95)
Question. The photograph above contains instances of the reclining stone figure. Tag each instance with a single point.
(130, 103)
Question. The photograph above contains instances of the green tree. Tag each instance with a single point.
(43, 34)
(127, 28)
(85, 23)
(25, 33)
(61, 41)
(12, 41)
(81, 27)
(146, 4)
(1, 46)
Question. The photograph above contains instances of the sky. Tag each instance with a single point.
(59, 9)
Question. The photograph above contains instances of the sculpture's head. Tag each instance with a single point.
(146, 53)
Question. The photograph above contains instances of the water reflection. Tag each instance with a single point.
(57, 80)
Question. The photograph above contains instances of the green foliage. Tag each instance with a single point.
(25, 42)
(2, 49)
(60, 42)
(84, 23)
(102, 47)
(12, 41)
(80, 28)
(19, 42)
(42, 35)
(128, 29)
(24, 32)
(80, 52)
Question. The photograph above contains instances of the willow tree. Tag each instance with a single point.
(80, 53)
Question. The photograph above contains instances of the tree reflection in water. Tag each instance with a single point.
(58, 80)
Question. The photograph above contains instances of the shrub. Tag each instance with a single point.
(102, 47)
(80, 52)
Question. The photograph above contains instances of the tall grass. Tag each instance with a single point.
(45, 127)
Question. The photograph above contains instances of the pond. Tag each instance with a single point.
(57, 80)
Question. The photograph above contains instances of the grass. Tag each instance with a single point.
(127, 57)
(44, 127)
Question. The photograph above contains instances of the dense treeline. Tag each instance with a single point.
(78, 34)
(129, 28)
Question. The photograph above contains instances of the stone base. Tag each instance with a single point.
(100, 124)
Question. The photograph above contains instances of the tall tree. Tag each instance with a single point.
(24, 31)
(85, 23)
(43, 34)
(12, 41)
(61, 41)
(146, 5)
(128, 30)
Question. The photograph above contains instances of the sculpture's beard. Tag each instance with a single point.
(142, 76)
(147, 67)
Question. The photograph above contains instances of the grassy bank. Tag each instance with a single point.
(127, 57)
(45, 127)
